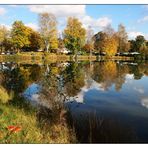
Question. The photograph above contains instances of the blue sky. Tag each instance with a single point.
(134, 17)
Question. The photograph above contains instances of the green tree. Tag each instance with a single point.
(141, 46)
(20, 35)
(74, 35)
(73, 78)
(132, 46)
(48, 30)
(143, 49)
(139, 41)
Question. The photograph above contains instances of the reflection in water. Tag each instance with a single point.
(144, 101)
(107, 101)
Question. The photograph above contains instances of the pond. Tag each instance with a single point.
(107, 100)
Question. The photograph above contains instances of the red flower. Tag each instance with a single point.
(14, 128)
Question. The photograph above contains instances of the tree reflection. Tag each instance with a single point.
(73, 78)
(17, 78)
(109, 73)
(122, 70)
(69, 77)
(105, 73)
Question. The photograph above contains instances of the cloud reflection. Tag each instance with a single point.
(144, 101)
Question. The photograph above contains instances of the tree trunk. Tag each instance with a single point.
(47, 48)
(47, 69)
(76, 55)
(90, 53)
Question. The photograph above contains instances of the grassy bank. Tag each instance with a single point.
(115, 58)
(39, 57)
(22, 123)
(22, 57)
(19, 126)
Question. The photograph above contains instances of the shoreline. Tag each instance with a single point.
(50, 57)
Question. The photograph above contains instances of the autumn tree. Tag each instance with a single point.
(106, 42)
(4, 33)
(99, 39)
(20, 35)
(122, 39)
(109, 30)
(110, 45)
(7, 44)
(48, 30)
(74, 35)
(36, 41)
(61, 43)
(89, 46)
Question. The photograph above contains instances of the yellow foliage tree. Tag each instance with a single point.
(74, 35)
(110, 46)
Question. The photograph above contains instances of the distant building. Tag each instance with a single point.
(63, 50)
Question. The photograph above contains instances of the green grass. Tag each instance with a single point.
(31, 131)
(16, 111)
(20, 113)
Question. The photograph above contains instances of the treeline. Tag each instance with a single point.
(75, 39)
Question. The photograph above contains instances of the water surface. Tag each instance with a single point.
(107, 100)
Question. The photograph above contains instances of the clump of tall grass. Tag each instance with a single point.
(4, 96)
(92, 128)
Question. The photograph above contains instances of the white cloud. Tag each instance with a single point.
(134, 34)
(59, 10)
(87, 21)
(104, 21)
(144, 19)
(64, 11)
(95, 23)
(32, 25)
(2, 11)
